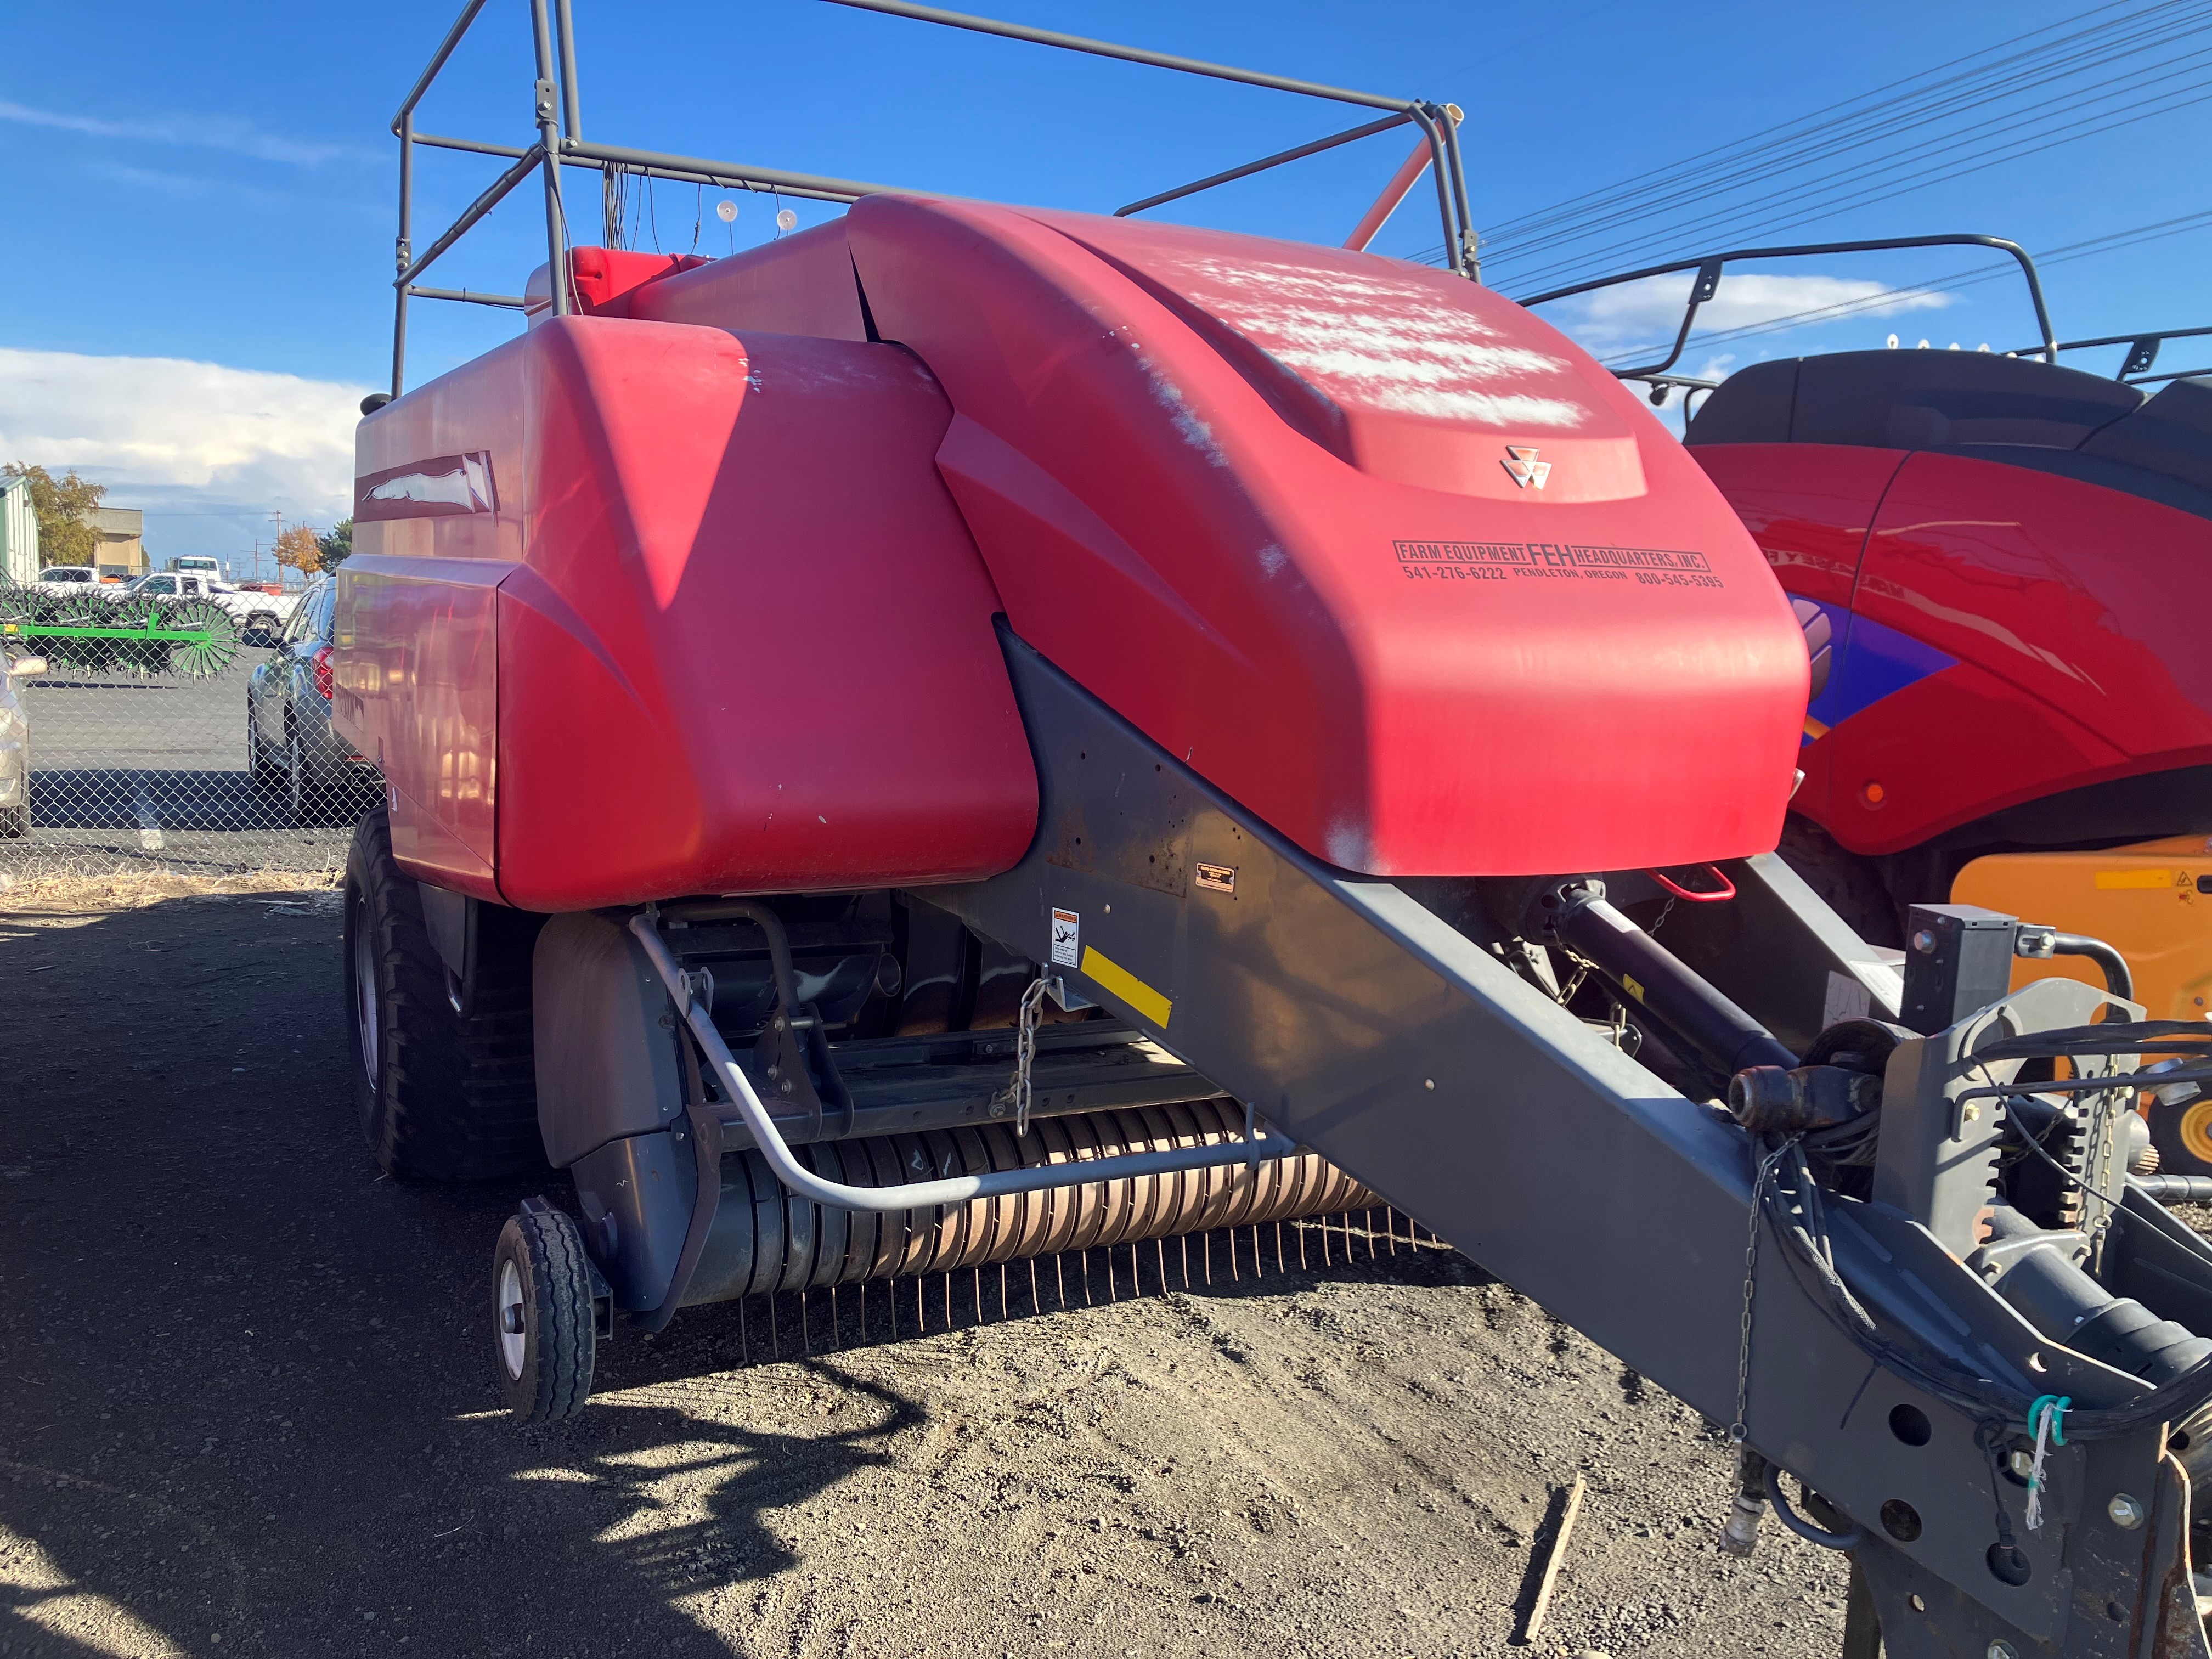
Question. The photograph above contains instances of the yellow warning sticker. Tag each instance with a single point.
(1634, 989)
(2109, 881)
(1112, 976)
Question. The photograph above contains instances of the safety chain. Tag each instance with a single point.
(1025, 1053)
(1740, 1430)
(2101, 1107)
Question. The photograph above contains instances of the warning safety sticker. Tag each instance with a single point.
(1066, 939)
(1501, 562)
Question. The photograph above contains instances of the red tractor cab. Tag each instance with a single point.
(2000, 565)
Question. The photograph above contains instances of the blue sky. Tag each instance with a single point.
(213, 187)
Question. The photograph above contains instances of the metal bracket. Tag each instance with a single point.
(917, 1194)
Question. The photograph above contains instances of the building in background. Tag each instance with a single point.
(19, 531)
(121, 554)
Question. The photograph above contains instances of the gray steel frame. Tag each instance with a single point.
(1412, 1058)
(560, 141)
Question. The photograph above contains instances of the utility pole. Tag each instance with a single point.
(279, 519)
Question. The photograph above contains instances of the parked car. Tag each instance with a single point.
(15, 750)
(261, 616)
(72, 578)
(290, 744)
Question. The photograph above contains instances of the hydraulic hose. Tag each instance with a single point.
(2176, 1189)
(1659, 981)
(1849, 1539)
(915, 1194)
(2118, 980)
(1790, 1203)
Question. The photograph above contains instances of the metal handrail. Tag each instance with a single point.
(1443, 138)
(1710, 266)
(561, 142)
(916, 1195)
(818, 186)
(2142, 352)
(469, 296)
(1297, 154)
(961, 20)
(494, 193)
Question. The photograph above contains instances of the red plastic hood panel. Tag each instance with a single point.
(722, 631)
(1255, 496)
(1408, 372)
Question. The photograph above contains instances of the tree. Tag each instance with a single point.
(301, 549)
(336, 544)
(64, 507)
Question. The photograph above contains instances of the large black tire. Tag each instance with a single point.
(441, 1096)
(2183, 1135)
(543, 1339)
(1851, 884)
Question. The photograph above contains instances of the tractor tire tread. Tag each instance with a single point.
(458, 1096)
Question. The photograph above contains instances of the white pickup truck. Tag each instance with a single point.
(261, 616)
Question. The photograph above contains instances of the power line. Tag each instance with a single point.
(1888, 185)
(2012, 78)
(2021, 98)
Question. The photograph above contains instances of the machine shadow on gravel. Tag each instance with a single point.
(246, 1393)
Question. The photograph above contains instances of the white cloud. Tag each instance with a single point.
(1652, 310)
(185, 186)
(197, 438)
(204, 131)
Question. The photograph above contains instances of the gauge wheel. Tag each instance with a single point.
(2182, 1133)
(542, 1337)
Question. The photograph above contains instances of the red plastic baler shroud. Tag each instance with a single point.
(725, 628)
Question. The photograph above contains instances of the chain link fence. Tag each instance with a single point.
(130, 750)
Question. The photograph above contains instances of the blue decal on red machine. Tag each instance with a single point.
(1857, 663)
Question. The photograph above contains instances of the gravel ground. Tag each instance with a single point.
(246, 1407)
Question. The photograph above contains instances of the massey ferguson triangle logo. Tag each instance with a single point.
(1525, 468)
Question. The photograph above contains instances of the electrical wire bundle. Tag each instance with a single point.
(1792, 1205)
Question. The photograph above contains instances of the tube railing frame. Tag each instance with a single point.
(1710, 267)
(916, 1195)
(2142, 352)
(561, 142)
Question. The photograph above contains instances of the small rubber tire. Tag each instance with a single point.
(441, 1095)
(544, 1341)
(2183, 1135)
(16, 821)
